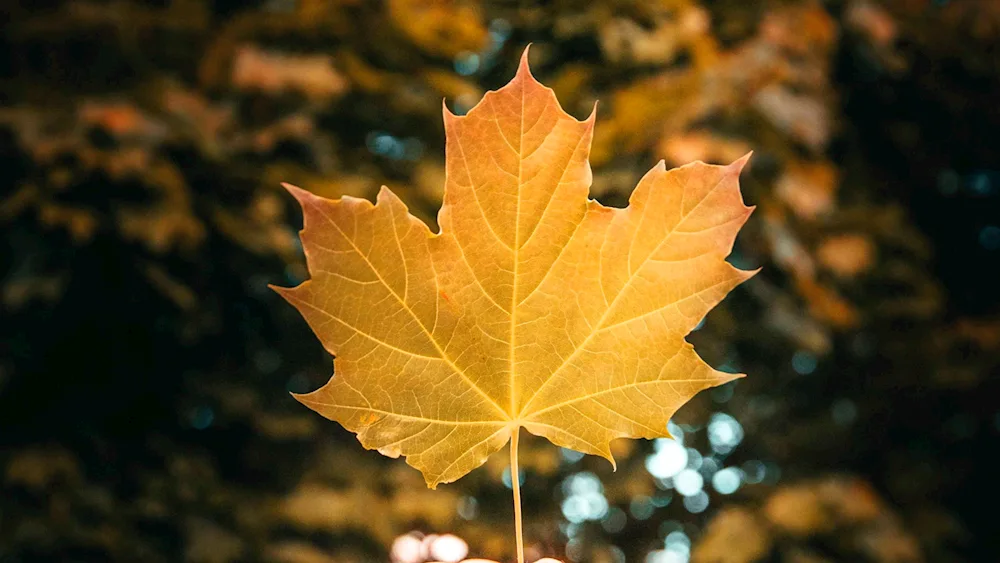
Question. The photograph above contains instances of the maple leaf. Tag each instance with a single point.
(533, 308)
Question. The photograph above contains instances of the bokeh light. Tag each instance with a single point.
(989, 237)
(804, 362)
(584, 499)
(689, 482)
(669, 458)
(724, 433)
(697, 503)
(448, 548)
(727, 481)
(408, 549)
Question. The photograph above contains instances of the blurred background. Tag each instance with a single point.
(145, 366)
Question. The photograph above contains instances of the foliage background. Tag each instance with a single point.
(144, 365)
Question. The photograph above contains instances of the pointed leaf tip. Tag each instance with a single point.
(298, 193)
(280, 290)
(523, 66)
(385, 194)
(446, 112)
(742, 161)
(593, 112)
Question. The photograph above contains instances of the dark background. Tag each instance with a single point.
(144, 365)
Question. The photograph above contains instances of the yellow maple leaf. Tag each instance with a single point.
(533, 308)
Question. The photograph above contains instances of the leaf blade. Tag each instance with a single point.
(532, 307)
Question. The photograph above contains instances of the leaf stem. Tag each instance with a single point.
(515, 479)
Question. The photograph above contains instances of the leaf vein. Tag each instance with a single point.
(430, 337)
(621, 292)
